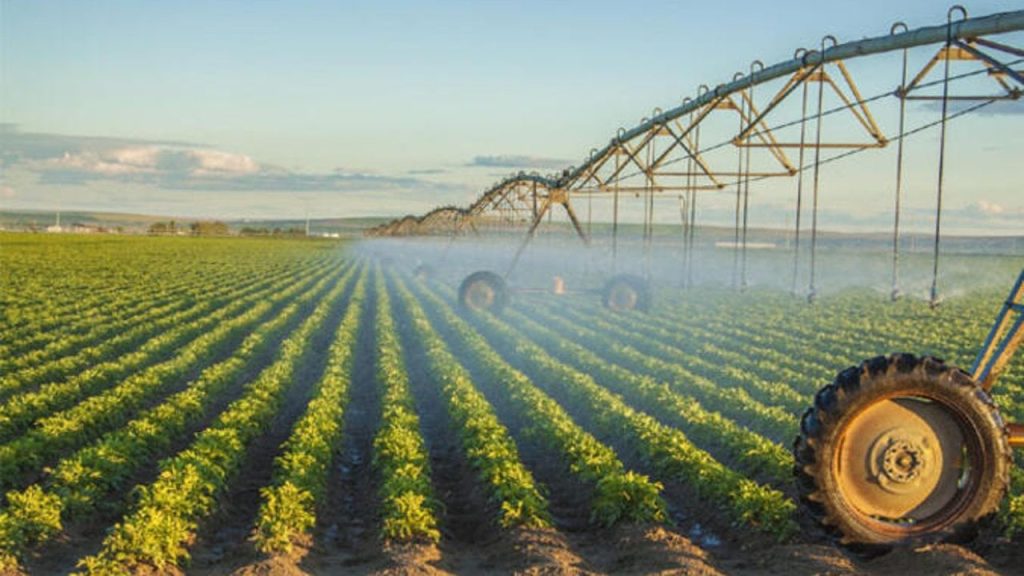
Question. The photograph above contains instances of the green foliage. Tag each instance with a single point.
(168, 510)
(79, 482)
(208, 228)
(31, 516)
(667, 449)
(546, 421)
(289, 504)
(286, 512)
(106, 361)
(486, 443)
(628, 497)
(751, 452)
(408, 507)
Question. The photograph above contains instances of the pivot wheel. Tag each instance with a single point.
(483, 290)
(423, 272)
(902, 450)
(626, 292)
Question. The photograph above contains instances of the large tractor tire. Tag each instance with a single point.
(901, 450)
(484, 290)
(626, 292)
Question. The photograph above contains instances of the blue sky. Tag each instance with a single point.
(264, 109)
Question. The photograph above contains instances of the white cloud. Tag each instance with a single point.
(189, 168)
(217, 162)
(518, 161)
(154, 160)
(989, 208)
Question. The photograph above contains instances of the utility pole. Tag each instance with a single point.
(306, 203)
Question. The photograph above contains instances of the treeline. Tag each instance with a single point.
(199, 228)
(218, 228)
(264, 231)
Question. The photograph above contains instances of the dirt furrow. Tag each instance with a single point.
(224, 540)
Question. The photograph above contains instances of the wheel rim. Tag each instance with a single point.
(480, 295)
(906, 464)
(622, 297)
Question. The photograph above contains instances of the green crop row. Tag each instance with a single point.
(110, 339)
(101, 323)
(735, 403)
(64, 285)
(749, 452)
(722, 374)
(167, 512)
(85, 314)
(113, 407)
(619, 495)
(666, 450)
(79, 482)
(289, 504)
(173, 332)
(408, 505)
(486, 443)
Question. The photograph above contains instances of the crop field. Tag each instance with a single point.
(284, 406)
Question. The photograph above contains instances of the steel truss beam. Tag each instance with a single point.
(967, 37)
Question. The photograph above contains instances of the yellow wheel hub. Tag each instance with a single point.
(622, 297)
(480, 295)
(901, 460)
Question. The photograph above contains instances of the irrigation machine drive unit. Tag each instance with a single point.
(536, 197)
(906, 448)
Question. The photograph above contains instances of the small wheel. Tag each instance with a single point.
(902, 450)
(483, 290)
(626, 292)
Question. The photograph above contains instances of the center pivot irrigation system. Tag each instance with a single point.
(781, 121)
(900, 448)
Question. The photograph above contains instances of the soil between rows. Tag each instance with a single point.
(84, 536)
(225, 537)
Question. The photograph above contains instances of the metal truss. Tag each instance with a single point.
(664, 153)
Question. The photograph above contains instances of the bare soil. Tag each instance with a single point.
(626, 550)
(226, 537)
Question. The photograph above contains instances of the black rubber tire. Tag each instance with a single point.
(626, 292)
(901, 375)
(488, 281)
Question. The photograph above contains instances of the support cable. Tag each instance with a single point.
(799, 190)
(648, 212)
(934, 298)
(746, 182)
(684, 219)
(615, 218)
(686, 216)
(812, 291)
(693, 217)
(739, 191)
(895, 294)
